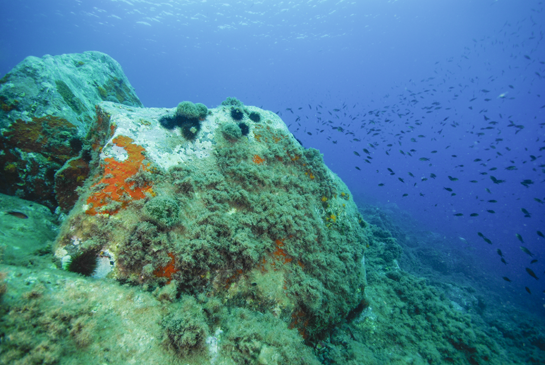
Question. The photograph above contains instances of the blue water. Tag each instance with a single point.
(467, 76)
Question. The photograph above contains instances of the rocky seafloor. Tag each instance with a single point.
(51, 316)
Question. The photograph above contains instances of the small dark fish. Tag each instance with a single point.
(492, 201)
(474, 181)
(520, 238)
(540, 234)
(366, 151)
(490, 211)
(411, 174)
(496, 181)
(453, 178)
(458, 214)
(484, 238)
(357, 168)
(357, 154)
(526, 213)
(499, 252)
(381, 184)
(17, 214)
(433, 176)
(448, 189)
(528, 290)
(527, 183)
(526, 251)
(503, 260)
(511, 168)
(533, 261)
(400, 179)
(538, 200)
(404, 195)
(506, 279)
(424, 159)
(531, 273)
(474, 215)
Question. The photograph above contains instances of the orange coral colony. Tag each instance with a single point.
(167, 271)
(116, 188)
(258, 160)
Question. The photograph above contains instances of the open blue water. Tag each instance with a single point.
(451, 88)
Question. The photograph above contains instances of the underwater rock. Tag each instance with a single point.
(255, 222)
(27, 231)
(47, 107)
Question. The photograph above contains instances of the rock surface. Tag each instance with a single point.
(236, 209)
(47, 106)
(27, 231)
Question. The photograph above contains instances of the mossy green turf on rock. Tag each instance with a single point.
(53, 316)
(242, 214)
(47, 104)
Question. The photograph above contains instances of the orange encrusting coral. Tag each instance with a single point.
(167, 271)
(117, 189)
(299, 321)
(231, 279)
(280, 254)
(279, 258)
(258, 160)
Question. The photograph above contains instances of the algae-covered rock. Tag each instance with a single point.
(27, 231)
(256, 221)
(47, 109)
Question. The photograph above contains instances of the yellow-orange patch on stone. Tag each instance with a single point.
(258, 160)
(167, 271)
(115, 176)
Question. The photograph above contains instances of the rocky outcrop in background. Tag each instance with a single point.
(47, 107)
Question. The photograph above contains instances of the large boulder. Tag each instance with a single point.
(224, 203)
(27, 231)
(47, 107)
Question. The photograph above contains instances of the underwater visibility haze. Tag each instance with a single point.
(166, 152)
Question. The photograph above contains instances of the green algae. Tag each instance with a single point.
(53, 316)
(116, 90)
(69, 98)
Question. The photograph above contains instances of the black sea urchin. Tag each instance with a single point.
(84, 262)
